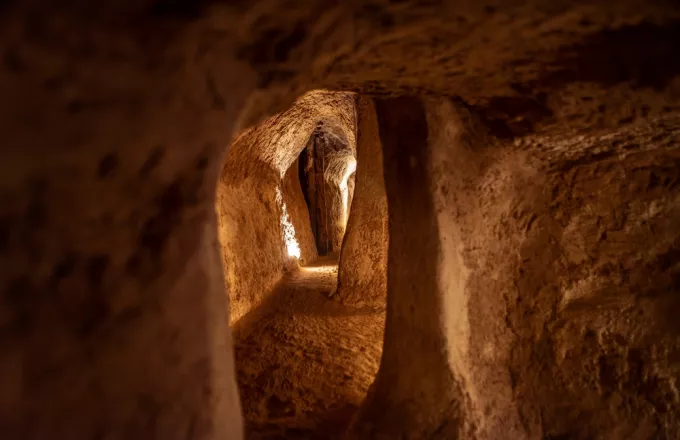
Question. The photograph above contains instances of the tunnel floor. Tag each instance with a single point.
(305, 362)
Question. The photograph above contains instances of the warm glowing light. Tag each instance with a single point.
(320, 269)
(287, 228)
(351, 167)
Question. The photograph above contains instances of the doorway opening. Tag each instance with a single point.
(326, 167)
(304, 357)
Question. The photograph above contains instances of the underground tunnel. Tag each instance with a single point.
(305, 353)
(358, 220)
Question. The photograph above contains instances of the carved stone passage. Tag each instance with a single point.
(324, 162)
(511, 263)
(319, 193)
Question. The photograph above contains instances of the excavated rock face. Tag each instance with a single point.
(298, 213)
(532, 275)
(524, 66)
(414, 394)
(554, 305)
(112, 304)
(264, 222)
(279, 140)
(254, 252)
(362, 273)
(328, 161)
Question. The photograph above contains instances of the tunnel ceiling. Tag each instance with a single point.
(520, 68)
(278, 140)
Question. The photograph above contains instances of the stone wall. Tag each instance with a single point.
(112, 304)
(557, 274)
(299, 213)
(253, 248)
(362, 273)
(540, 267)
(542, 303)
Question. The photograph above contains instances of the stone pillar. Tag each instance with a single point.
(362, 275)
(414, 395)
(324, 197)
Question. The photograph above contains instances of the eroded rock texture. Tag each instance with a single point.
(328, 163)
(554, 283)
(298, 213)
(362, 273)
(554, 304)
(264, 220)
(305, 362)
(532, 275)
(414, 394)
(254, 254)
(112, 305)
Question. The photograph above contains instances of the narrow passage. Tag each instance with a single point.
(305, 362)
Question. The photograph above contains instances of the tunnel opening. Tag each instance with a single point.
(326, 169)
(306, 351)
(531, 155)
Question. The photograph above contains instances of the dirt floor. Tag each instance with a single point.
(304, 361)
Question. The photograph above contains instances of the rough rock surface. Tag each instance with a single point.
(414, 394)
(253, 250)
(559, 271)
(305, 362)
(362, 273)
(328, 161)
(555, 275)
(112, 304)
(298, 212)
(259, 177)
(116, 116)
(278, 140)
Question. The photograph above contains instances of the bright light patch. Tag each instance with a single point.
(287, 229)
(351, 167)
(320, 269)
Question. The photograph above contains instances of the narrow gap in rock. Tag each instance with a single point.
(306, 354)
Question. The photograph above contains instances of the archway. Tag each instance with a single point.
(305, 357)
(326, 167)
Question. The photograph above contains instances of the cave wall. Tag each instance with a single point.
(260, 161)
(280, 138)
(554, 274)
(253, 250)
(557, 275)
(299, 213)
(414, 394)
(250, 202)
(327, 158)
(112, 304)
(362, 271)
(116, 118)
(338, 223)
(319, 194)
(334, 216)
(351, 185)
